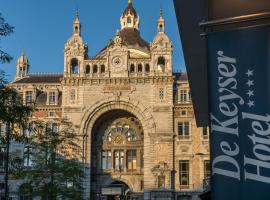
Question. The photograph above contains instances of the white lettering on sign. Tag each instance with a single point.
(260, 126)
(226, 164)
(225, 125)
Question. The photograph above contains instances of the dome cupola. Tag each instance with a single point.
(129, 18)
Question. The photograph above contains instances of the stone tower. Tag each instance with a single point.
(22, 67)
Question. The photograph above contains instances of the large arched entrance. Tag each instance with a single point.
(117, 156)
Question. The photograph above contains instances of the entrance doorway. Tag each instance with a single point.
(116, 191)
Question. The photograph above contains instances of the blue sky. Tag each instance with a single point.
(43, 26)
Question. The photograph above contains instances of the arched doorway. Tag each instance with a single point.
(116, 154)
(117, 190)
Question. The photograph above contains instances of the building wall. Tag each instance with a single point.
(159, 99)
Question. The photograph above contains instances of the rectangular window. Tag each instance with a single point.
(205, 133)
(119, 160)
(207, 170)
(52, 98)
(51, 114)
(2, 129)
(106, 159)
(72, 95)
(184, 130)
(27, 158)
(29, 97)
(161, 181)
(184, 172)
(183, 96)
(131, 159)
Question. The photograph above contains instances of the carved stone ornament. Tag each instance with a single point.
(161, 168)
(118, 40)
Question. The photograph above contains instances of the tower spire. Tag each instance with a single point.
(77, 24)
(22, 66)
(161, 22)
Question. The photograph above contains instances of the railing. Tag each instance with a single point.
(190, 187)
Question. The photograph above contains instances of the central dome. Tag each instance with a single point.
(130, 10)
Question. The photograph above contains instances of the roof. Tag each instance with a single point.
(130, 9)
(180, 76)
(40, 78)
(131, 37)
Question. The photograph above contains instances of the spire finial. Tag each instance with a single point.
(129, 1)
(161, 12)
(77, 13)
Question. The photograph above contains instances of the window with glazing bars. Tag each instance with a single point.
(184, 130)
(52, 98)
(184, 172)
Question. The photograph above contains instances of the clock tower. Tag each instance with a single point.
(75, 51)
(118, 57)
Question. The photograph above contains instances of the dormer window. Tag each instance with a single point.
(52, 98)
(29, 97)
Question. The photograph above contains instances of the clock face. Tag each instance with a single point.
(75, 45)
(117, 61)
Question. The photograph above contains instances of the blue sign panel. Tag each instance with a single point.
(239, 101)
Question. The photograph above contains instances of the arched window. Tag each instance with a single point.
(102, 69)
(132, 68)
(147, 68)
(95, 69)
(161, 64)
(76, 29)
(87, 69)
(140, 68)
(129, 20)
(74, 66)
(160, 28)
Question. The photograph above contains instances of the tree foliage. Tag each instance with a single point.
(5, 30)
(55, 171)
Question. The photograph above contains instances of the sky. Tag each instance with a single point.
(42, 27)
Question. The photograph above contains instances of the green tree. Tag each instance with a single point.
(14, 114)
(5, 30)
(54, 155)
